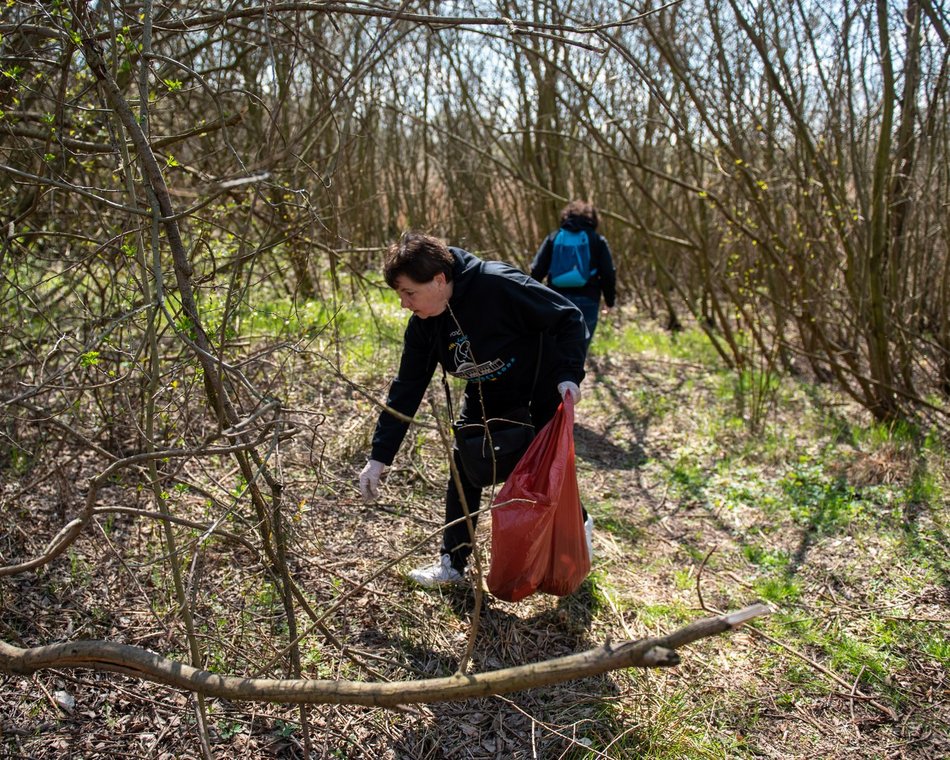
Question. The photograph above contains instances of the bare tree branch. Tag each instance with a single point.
(140, 663)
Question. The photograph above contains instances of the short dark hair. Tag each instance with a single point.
(580, 208)
(419, 257)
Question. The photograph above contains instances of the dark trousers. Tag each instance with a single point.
(590, 308)
(456, 539)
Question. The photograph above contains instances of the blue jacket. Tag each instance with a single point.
(488, 336)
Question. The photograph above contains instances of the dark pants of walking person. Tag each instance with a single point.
(590, 308)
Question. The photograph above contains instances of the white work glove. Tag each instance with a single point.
(369, 479)
(568, 387)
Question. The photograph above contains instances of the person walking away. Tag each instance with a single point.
(577, 263)
(514, 341)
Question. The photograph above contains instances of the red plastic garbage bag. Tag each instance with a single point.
(538, 541)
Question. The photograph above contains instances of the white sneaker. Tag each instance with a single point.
(589, 535)
(436, 575)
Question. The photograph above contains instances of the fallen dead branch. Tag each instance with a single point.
(141, 663)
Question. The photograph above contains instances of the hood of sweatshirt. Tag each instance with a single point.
(575, 223)
(463, 272)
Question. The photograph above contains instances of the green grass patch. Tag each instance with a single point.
(607, 520)
(801, 677)
(924, 488)
(877, 435)
(869, 649)
(601, 594)
(691, 345)
(671, 730)
(735, 487)
(688, 480)
(778, 590)
(766, 558)
(362, 327)
(818, 501)
(937, 645)
(683, 578)
(664, 616)
(862, 657)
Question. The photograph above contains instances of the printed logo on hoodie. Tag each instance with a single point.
(465, 366)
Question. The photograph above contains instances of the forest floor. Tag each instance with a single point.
(704, 498)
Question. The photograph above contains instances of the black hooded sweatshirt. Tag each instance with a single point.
(489, 336)
(605, 278)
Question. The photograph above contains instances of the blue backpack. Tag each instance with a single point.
(570, 261)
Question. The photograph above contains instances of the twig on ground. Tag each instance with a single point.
(854, 690)
(820, 668)
(699, 575)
